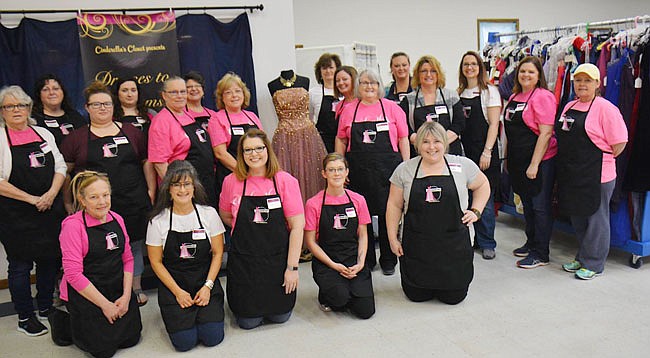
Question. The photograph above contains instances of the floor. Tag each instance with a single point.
(509, 312)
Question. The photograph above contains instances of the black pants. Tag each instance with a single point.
(387, 260)
(450, 297)
(340, 298)
(130, 342)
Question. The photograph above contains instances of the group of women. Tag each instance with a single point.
(163, 178)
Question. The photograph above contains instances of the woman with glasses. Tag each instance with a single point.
(52, 109)
(32, 172)
(194, 82)
(432, 102)
(373, 136)
(336, 233)
(185, 245)
(400, 70)
(264, 207)
(117, 149)
(174, 135)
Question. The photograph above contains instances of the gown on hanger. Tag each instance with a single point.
(296, 142)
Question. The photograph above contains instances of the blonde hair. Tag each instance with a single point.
(81, 181)
(431, 128)
(224, 83)
(272, 164)
(415, 81)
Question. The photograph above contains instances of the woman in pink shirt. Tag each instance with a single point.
(529, 117)
(98, 271)
(590, 133)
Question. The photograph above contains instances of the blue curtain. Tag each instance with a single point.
(206, 45)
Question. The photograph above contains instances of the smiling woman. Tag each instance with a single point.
(322, 100)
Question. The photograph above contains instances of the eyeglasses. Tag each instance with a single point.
(249, 151)
(97, 105)
(179, 185)
(470, 64)
(339, 170)
(194, 87)
(13, 107)
(431, 72)
(368, 83)
(176, 93)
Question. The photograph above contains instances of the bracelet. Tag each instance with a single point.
(486, 155)
(292, 268)
(488, 149)
(209, 284)
(476, 212)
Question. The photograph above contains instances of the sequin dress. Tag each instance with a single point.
(296, 142)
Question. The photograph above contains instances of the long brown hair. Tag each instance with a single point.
(176, 171)
(272, 164)
(538, 65)
(482, 77)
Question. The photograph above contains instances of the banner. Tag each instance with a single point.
(142, 47)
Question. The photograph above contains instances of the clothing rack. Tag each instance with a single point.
(586, 25)
(250, 8)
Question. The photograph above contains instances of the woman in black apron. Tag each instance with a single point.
(130, 107)
(52, 109)
(481, 107)
(372, 156)
(432, 102)
(31, 208)
(185, 245)
(400, 70)
(266, 242)
(435, 250)
(118, 150)
(586, 173)
(530, 151)
(195, 92)
(322, 100)
(98, 270)
(336, 233)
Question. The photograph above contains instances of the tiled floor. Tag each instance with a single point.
(509, 312)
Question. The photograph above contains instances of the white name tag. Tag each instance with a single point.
(273, 203)
(441, 109)
(350, 212)
(382, 127)
(140, 120)
(237, 131)
(199, 234)
(455, 167)
(52, 123)
(45, 148)
(121, 140)
(520, 107)
(334, 105)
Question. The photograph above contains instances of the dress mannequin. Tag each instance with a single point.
(287, 80)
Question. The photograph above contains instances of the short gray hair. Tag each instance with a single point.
(22, 97)
(436, 130)
(372, 76)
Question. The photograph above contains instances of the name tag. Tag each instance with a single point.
(45, 148)
(350, 212)
(120, 140)
(273, 203)
(140, 120)
(520, 107)
(199, 234)
(455, 167)
(237, 131)
(441, 110)
(431, 117)
(52, 123)
(334, 105)
(382, 127)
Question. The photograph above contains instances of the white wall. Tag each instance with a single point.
(445, 29)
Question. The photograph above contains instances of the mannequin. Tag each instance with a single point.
(286, 80)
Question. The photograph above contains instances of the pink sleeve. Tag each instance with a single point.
(218, 129)
(74, 247)
(127, 255)
(225, 197)
(362, 208)
(613, 125)
(160, 147)
(400, 120)
(343, 130)
(312, 212)
(255, 119)
(543, 107)
(290, 194)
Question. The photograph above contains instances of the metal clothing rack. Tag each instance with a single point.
(586, 25)
(250, 8)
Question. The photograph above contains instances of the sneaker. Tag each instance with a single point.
(572, 266)
(31, 327)
(42, 314)
(521, 251)
(388, 271)
(586, 274)
(488, 254)
(531, 262)
(324, 308)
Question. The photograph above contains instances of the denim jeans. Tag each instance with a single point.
(210, 334)
(250, 323)
(538, 214)
(484, 228)
(20, 286)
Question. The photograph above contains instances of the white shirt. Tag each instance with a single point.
(159, 226)
(489, 97)
(315, 100)
(5, 153)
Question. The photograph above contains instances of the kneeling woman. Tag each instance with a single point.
(98, 271)
(432, 190)
(263, 206)
(185, 246)
(335, 232)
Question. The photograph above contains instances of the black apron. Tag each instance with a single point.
(327, 123)
(337, 236)
(187, 257)
(474, 136)
(257, 258)
(437, 248)
(104, 267)
(372, 161)
(30, 234)
(434, 113)
(579, 165)
(200, 155)
(203, 119)
(115, 156)
(521, 145)
(61, 126)
(395, 96)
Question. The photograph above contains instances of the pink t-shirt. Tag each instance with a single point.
(74, 247)
(397, 127)
(219, 128)
(206, 112)
(605, 127)
(28, 135)
(313, 208)
(167, 139)
(288, 189)
(541, 109)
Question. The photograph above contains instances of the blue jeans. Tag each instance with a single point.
(250, 323)
(210, 334)
(20, 286)
(538, 215)
(484, 228)
(138, 261)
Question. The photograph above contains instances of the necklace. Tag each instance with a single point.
(288, 82)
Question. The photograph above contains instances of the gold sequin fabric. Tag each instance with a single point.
(296, 142)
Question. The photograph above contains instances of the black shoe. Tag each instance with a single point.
(388, 271)
(42, 314)
(521, 251)
(31, 327)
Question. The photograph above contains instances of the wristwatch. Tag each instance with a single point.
(476, 212)
(209, 284)
(292, 268)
